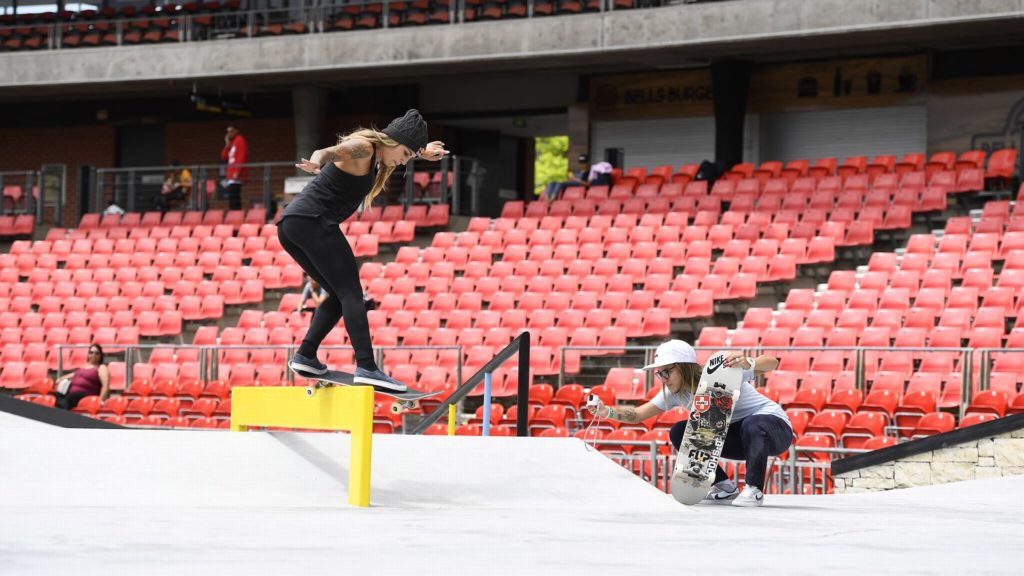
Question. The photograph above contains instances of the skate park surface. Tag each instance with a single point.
(212, 502)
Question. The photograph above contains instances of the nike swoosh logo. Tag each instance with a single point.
(713, 369)
(759, 497)
(721, 496)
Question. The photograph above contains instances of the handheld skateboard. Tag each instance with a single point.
(408, 400)
(702, 443)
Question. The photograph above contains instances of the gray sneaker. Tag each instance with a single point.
(303, 365)
(722, 493)
(378, 379)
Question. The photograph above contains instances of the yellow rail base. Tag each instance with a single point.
(334, 408)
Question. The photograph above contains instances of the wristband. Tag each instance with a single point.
(611, 413)
(751, 361)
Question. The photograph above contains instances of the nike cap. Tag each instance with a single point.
(672, 352)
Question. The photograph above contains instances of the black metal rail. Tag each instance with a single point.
(520, 344)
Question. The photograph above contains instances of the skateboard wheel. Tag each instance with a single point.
(310, 391)
(396, 408)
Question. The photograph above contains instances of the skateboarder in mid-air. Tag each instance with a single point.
(759, 428)
(349, 174)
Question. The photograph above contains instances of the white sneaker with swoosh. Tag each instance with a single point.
(751, 496)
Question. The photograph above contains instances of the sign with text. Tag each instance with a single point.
(669, 95)
(853, 83)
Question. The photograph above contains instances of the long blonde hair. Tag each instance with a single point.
(691, 375)
(384, 172)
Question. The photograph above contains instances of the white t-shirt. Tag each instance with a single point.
(751, 401)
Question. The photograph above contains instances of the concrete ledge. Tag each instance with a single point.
(939, 441)
(579, 38)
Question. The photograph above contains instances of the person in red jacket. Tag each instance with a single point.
(236, 154)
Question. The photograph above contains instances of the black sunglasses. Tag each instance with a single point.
(664, 374)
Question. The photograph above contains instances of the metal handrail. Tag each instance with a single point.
(520, 344)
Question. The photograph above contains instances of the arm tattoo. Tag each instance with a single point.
(348, 150)
(626, 414)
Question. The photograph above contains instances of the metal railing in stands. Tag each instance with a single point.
(221, 25)
(520, 345)
(860, 353)
(137, 189)
(208, 357)
(797, 472)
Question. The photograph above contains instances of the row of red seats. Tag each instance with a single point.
(1000, 165)
(223, 231)
(213, 217)
(148, 279)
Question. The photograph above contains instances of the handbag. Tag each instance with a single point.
(63, 385)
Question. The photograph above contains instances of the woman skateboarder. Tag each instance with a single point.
(351, 173)
(759, 428)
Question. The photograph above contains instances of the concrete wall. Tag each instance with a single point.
(1001, 455)
(698, 29)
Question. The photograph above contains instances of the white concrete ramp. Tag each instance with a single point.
(189, 469)
(101, 502)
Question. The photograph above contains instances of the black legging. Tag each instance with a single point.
(753, 439)
(322, 251)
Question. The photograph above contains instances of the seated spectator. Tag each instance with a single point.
(89, 380)
(312, 291)
(177, 186)
(113, 208)
(579, 178)
(600, 174)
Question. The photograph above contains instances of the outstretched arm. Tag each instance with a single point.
(346, 151)
(628, 414)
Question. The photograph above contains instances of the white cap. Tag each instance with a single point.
(672, 352)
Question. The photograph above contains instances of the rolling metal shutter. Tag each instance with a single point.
(841, 133)
(648, 143)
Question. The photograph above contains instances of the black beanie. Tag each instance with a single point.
(410, 130)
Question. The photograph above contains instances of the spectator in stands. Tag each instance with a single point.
(312, 291)
(177, 186)
(113, 208)
(759, 428)
(351, 173)
(581, 177)
(89, 380)
(236, 154)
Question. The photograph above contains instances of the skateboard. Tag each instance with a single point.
(702, 443)
(408, 400)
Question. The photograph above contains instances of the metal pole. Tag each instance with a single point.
(965, 381)
(654, 463)
(487, 404)
(410, 170)
(129, 366)
(983, 374)
(524, 386)
(131, 192)
(266, 189)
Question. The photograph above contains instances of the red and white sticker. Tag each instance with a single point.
(701, 403)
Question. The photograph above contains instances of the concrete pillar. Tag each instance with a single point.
(309, 105)
(731, 80)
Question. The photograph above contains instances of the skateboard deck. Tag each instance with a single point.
(702, 443)
(407, 400)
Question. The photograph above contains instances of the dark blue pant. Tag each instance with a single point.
(753, 439)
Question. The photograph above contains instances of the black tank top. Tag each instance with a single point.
(333, 195)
